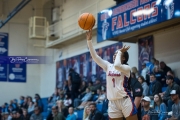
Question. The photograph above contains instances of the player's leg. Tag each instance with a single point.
(115, 118)
(114, 111)
(128, 109)
(133, 117)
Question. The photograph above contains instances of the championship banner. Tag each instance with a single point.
(17, 73)
(3, 44)
(85, 65)
(3, 72)
(134, 15)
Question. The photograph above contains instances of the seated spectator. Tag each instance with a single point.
(90, 85)
(19, 115)
(61, 96)
(176, 80)
(154, 87)
(164, 67)
(84, 100)
(96, 86)
(25, 103)
(71, 115)
(26, 116)
(166, 96)
(10, 108)
(160, 76)
(4, 108)
(144, 71)
(135, 71)
(160, 107)
(29, 99)
(53, 98)
(21, 100)
(31, 107)
(151, 64)
(133, 76)
(175, 106)
(7, 116)
(62, 108)
(14, 104)
(148, 113)
(14, 115)
(144, 85)
(57, 115)
(66, 88)
(39, 101)
(67, 101)
(82, 89)
(60, 91)
(156, 63)
(86, 113)
(101, 96)
(95, 114)
(37, 114)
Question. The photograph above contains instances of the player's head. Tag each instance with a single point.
(124, 57)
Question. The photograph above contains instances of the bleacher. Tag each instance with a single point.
(79, 113)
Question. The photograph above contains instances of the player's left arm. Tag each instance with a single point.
(121, 67)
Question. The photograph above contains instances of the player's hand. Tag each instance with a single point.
(124, 48)
(89, 34)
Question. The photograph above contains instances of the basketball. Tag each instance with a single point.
(86, 21)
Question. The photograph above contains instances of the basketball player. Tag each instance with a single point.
(118, 93)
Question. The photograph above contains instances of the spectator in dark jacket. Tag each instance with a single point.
(155, 87)
(176, 80)
(164, 67)
(160, 76)
(171, 86)
(95, 114)
(39, 101)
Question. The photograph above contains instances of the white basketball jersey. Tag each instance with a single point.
(117, 84)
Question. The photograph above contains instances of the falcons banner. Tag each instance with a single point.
(85, 66)
(134, 15)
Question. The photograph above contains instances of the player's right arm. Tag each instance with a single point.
(102, 63)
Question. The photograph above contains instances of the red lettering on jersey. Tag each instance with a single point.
(113, 74)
